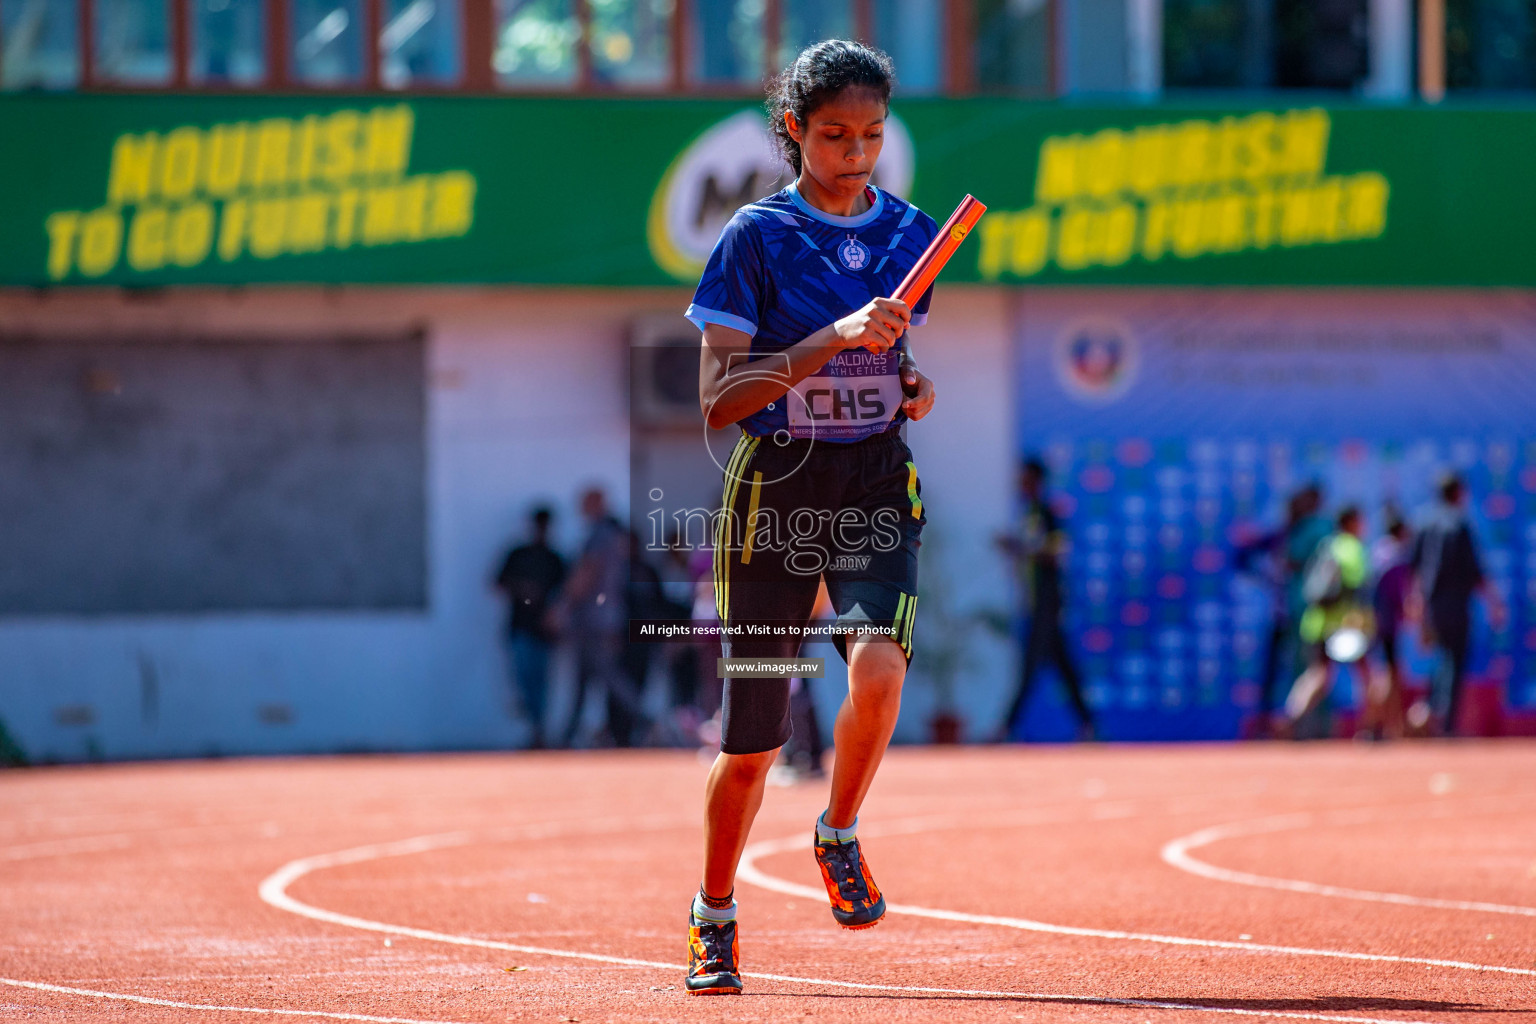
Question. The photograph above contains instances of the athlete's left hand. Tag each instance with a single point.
(918, 405)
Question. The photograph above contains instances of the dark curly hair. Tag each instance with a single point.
(822, 71)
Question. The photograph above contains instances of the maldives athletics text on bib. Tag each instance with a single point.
(852, 397)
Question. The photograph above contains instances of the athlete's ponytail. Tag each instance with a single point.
(821, 72)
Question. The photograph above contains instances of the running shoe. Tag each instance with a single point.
(856, 900)
(712, 958)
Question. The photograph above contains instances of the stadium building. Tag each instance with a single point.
(304, 304)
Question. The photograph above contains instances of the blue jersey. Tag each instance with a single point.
(782, 271)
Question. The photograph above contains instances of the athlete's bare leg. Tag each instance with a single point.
(876, 668)
(732, 796)
(734, 791)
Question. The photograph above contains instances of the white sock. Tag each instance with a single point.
(718, 915)
(827, 834)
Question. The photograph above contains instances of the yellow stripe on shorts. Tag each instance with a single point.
(917, 503)
(737, 467)
(911, 621)
(746, 544)
(722, 526)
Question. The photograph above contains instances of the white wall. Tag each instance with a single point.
(527, 402)
(965, 458)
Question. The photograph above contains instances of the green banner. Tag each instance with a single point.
(186, 189)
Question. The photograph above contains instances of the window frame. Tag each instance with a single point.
(477, 43)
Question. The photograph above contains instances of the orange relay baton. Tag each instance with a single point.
(933, 259)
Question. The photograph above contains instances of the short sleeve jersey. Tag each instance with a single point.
(782, 270)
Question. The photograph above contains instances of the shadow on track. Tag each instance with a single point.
(1340, 1003)
(1306, 1005)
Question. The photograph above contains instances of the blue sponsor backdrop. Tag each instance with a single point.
(1176, 425)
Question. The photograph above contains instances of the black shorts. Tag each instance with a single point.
(795, 513)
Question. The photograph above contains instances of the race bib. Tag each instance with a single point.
(855, 395)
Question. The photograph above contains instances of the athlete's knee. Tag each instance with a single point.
(745, 768)
(876, 670)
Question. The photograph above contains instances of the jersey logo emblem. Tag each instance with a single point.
(853, 254)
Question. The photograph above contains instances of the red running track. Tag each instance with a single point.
(1191, 884)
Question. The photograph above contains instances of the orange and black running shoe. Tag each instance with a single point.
(856, 900)
(713, 958)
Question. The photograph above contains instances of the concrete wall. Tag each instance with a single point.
(526, 401)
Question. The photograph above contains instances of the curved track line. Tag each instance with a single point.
(1176, 854)
(175, 1004)
(273, 890)
(750, 873)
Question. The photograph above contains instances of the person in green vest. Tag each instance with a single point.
(1337, 623)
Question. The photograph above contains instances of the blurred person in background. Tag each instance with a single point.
(1384, 712)
(11, 754)
(593, 608)
(1039, 549)
(1308, 528)
(677, 591)
(801, 757)
(1448, 572)
(1337, 623)
(1265, 556)
(701, 566)
(529, 578)
(644, 600)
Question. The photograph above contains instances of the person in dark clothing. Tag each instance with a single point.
(1385, 715)
(801, 757)
(1448, 572)
(1264, 557)
(680, 658)
(530, 576)
(595, 605)
(11, 754)
(806, 749)
(1270, 556)
(1038, 549)
(646, 600)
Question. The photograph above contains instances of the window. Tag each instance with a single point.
(631, 42)
(274, 474)
(1203, 45)
(419, 43)
(728, 42)
(228, 42)
(327, 41)
(39, 44)
(911, 31)
(1490, 44)
(1321, 44)
(132, 40)
(1263, 44)
(810, 21)
(536, 42)
(1013, 45)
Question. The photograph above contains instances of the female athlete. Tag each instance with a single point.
(801, 354)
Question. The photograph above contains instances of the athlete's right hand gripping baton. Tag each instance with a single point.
(933, 259)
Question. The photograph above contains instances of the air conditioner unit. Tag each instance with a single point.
(664, 372)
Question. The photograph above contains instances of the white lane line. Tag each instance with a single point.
(273, 890)
(1176, 853)
(176, 1004)
(750, 873)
